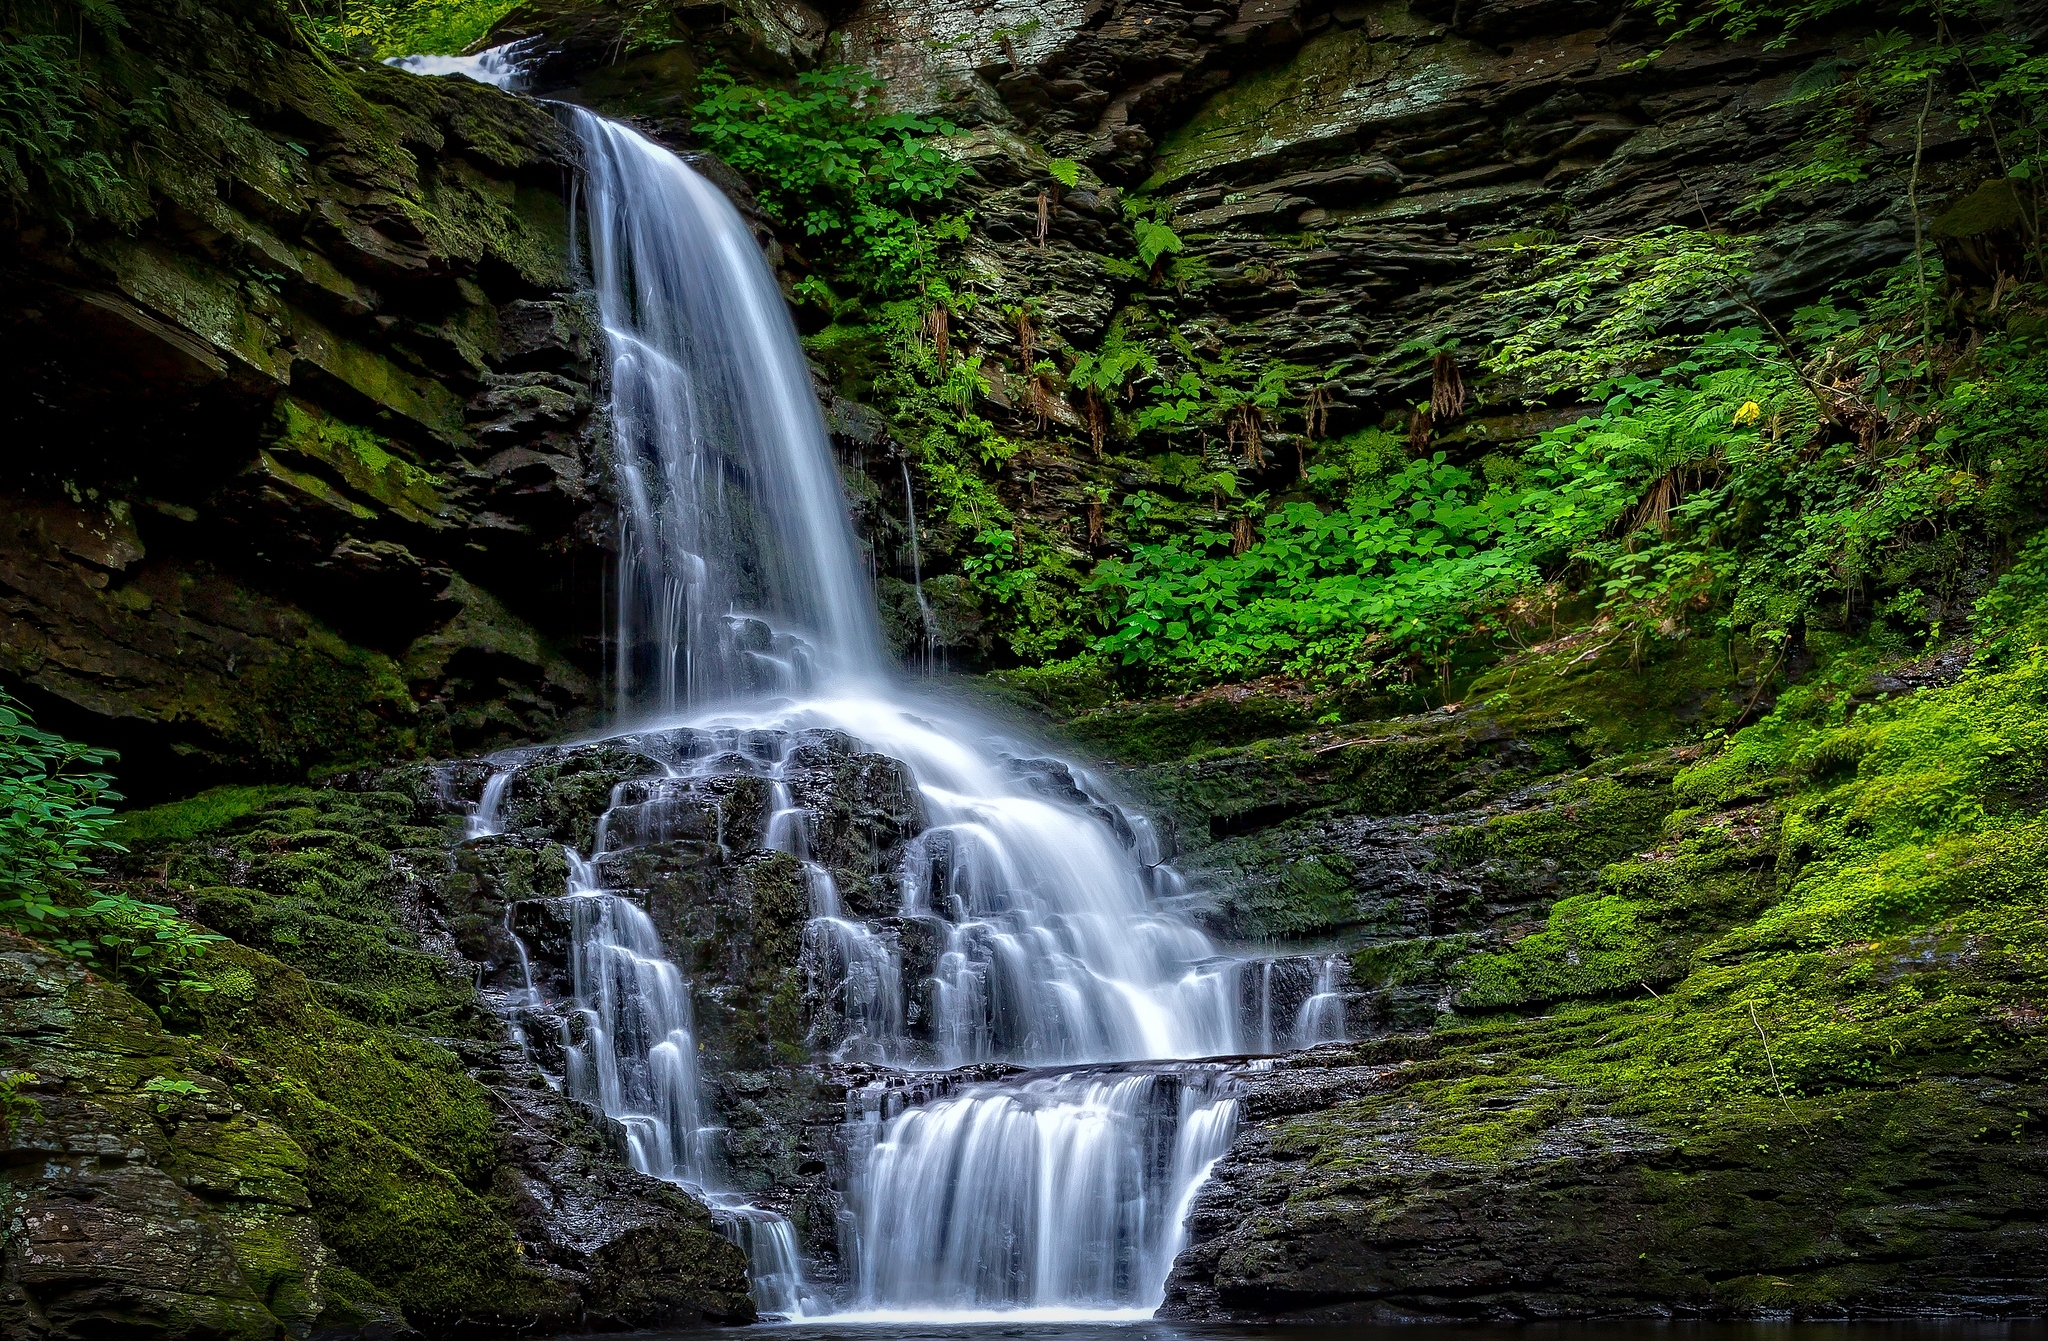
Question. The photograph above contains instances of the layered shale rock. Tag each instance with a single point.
(305, 461)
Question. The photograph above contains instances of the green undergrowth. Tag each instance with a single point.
(1847, 904)
(377, 29)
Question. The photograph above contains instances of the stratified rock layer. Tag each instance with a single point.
(305, 463)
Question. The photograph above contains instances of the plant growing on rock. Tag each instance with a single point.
(53, 829)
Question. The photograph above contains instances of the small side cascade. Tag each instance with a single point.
(926, 618)
(1321, 1017)
(629, 1050)
(1295, 1001)
(637, 1058)
(483, 821)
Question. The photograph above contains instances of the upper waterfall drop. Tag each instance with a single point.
(739, 574)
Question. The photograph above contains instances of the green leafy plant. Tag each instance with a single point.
(1718, 495)
(167, 1091)
(54, 827)
(378, 29)
(828, 162)
(16, 1107)
(45, 119)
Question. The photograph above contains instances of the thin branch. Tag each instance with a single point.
(1913, 198)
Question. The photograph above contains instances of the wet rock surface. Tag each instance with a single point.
(173, 1211)
(335, 1132)
(1343, 1200)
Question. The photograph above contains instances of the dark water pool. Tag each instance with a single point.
(1144, 1330)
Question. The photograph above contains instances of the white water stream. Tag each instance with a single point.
(743, 607)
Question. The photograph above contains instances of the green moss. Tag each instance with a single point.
(314, 871)
(1331, 90)
(400, 1140)
(181, 821)
(1992, 207)
(361, 459)
(1175, 729)
(382, 385)
(1424, 959)
(324, 700)
(1613, 707)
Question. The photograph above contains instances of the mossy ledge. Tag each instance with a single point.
(335, 1132)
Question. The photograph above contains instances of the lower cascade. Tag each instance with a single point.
(1067, 1189)
(1008, 914)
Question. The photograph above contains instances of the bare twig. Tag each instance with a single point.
(1772, 1063)
(1913, 199)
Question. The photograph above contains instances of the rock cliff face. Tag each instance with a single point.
(305, 462)
(1540, 917)
(1351, 182)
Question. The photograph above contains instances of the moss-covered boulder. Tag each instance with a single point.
(440, 1180)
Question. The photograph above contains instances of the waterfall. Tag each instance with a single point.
(744, 611)
(738, 571)
(636, 1058)
(1321, 1017)
(1062, 1193)
(926, 620)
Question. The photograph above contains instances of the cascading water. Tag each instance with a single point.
(738, 571)
(1321, 1017)
(1062, 1194)
(740, 592)
(743, 611)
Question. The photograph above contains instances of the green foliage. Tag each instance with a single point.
(1717, 496)
(1595, 309)
(1778, 21)
(16, 1107)
(828, 162)
(51, 837)
(55, 824)
(379, 29)
(47, 110)
(1845, 97)
(168, 1091)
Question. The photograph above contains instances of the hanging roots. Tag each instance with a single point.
(1315, 415)
(1038, 399)
(1315, 422)
(1655, 509)
(936, 324)
(1095, 523)
(1419, 427)
(1240, 534)
(1044, 217)
(1027, 340)
(1098, 422)
(1242, 429)
(1446, 389)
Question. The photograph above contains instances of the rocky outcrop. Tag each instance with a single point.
(341, 1136)
(1585, 1086)
(141, 1196)
(306, 466)
(1349, 1197)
